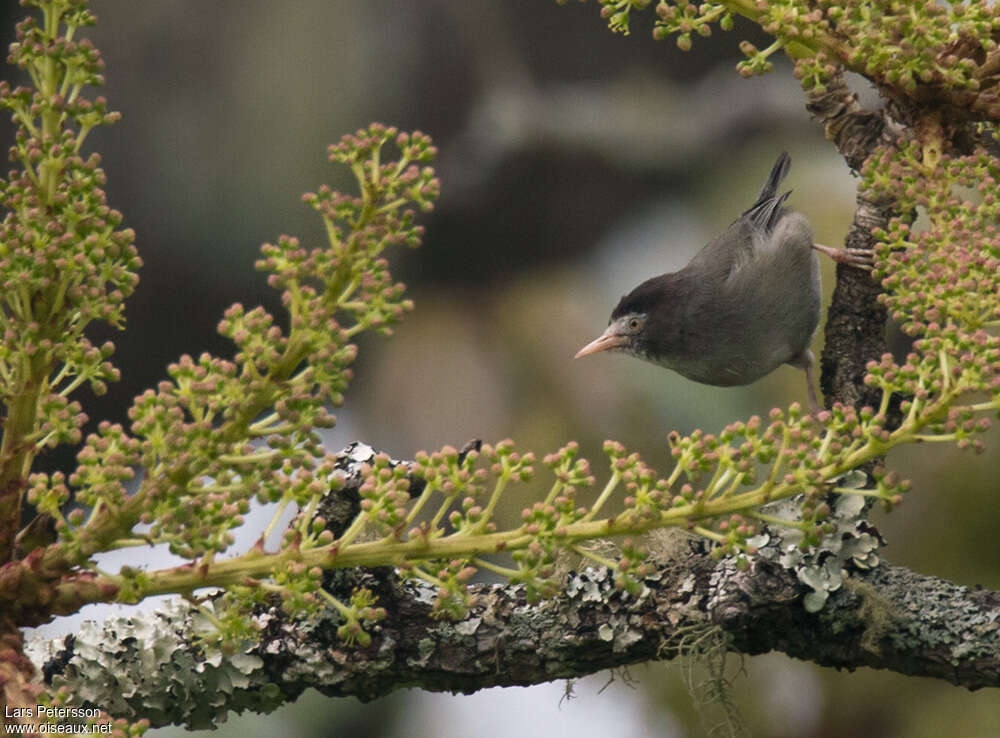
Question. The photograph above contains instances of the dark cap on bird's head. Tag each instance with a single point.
(644, 323)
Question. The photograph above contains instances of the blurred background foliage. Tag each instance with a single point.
(574, 164)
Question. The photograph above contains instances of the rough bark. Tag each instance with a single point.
(855, 327)
(888, 618)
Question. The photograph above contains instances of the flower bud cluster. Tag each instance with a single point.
(616, 13)
(890, 486)
(536, 567)
(506, 463)
(394, 496)
(385, 495)
(940, 48)
(451, 577)
(106, 463)
(300, 586)
(916, 43)
(397, 504)
(302, 478)
(203, 434)
(65, 261)
(360, 612)
(948, 273)
(397, 186)
(454, 476)
(942, 282)
(646, 494)
(571, 473)
(632, 567)
(457, 477)
(685, 18)
(731, 536)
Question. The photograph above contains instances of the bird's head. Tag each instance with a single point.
(624, 333)
(643, 324)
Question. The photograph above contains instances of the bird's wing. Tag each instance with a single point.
(765, 214)
(726, 255)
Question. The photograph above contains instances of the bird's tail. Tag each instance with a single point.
(778, 173)
(765, 212)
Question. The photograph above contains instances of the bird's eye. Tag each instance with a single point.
(633, 324)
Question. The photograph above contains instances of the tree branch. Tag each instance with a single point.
(887, 618)
(855, 321)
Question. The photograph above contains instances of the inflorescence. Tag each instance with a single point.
(222, 433)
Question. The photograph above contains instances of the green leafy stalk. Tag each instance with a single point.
(64, 260)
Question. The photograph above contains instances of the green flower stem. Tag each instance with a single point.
(306, 515)
(282, 506)
(427, 577)
(733, 485)
(883, 405)
(345, 295)
(504, 571)
(263, 432)
(721, 477)
(40, 443)
(254, 458)
(339, 606)
(78, 380)
(429, 489)
(774, 520)
(824, 446)
(353, 530)
(498, 490)
(24, 119)
(709, 534)
(391, 206)
(331, 234)
(875, 494)
(715, 14)
(596, 558)
(101, 530)
(443, 510)
(609, 488)
(17, 456)
(554, 491)
(772, 48)
(776, 465)
(980, 406)
(915, 406)
(132, 543)
(209, 616)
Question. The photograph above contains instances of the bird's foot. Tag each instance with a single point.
(857, 258)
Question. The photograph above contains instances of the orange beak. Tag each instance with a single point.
(605, 342)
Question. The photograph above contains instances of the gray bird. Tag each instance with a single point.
(747, 303)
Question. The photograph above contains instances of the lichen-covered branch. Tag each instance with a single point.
(889, 618)
(886, 617)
